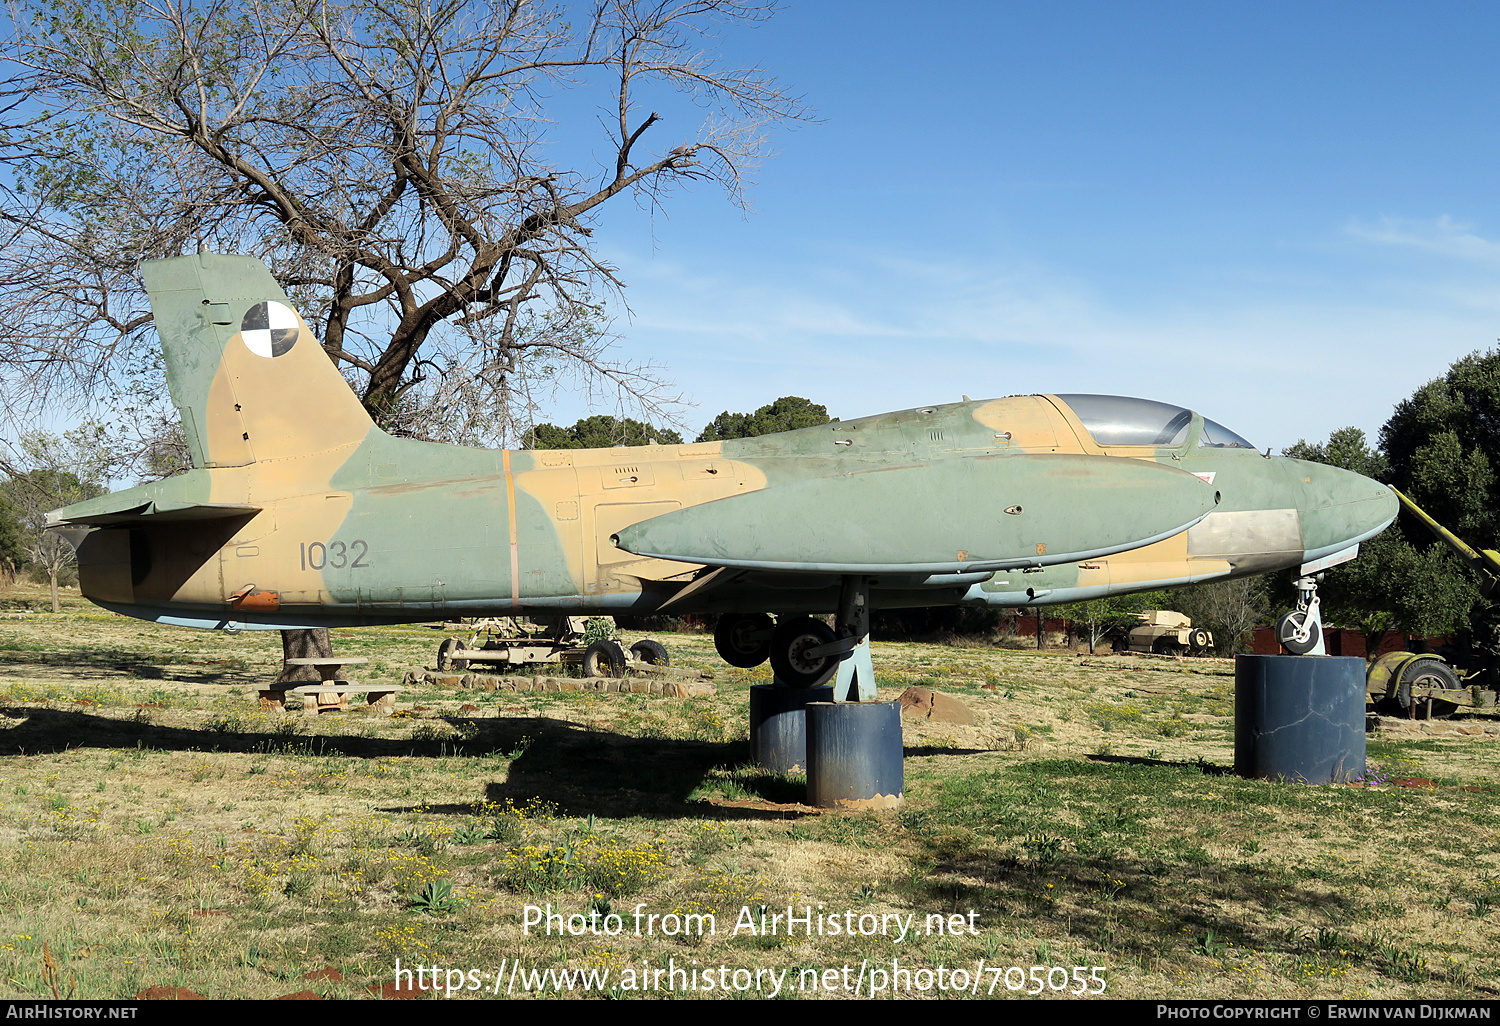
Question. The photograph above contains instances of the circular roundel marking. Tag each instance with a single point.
(269, 329)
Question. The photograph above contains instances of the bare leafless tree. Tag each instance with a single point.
(1230, 609)
(392, 161)
(46, 472)
(46, 551)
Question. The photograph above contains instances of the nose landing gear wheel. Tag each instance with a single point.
(1287, 629)
(1301, 630)
(794, 638)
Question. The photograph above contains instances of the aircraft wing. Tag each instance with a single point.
(940, 517)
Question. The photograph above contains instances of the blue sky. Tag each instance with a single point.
(1283, 215)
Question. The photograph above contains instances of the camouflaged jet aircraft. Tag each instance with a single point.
(300, 512)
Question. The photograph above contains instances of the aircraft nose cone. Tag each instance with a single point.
(1340, 508)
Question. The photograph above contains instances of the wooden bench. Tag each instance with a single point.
(333, 693)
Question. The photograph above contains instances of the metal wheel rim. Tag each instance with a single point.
(1289, 626)
(800, 644)
(1441, 707)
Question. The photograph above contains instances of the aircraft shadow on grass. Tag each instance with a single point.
(581, 770)
(95, 666)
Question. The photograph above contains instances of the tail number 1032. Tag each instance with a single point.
(316, 555)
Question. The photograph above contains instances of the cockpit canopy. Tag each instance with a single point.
(1217, 436)
(1121, 420)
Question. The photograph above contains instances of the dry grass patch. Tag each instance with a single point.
(158, 829)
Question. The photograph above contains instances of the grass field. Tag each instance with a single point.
(158, 829)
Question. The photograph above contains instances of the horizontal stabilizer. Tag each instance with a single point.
(128, 509)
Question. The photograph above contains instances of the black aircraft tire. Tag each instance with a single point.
(1427, 673)
(604, 659)
(735, 646)
(445, 660)
(652, 653)
(794, 636)
(1288, 626)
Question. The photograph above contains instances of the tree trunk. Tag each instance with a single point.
(304, 644)
(52, 577)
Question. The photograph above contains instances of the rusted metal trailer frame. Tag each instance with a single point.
(1423, 685)
(517, 641)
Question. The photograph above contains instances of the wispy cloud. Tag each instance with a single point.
(872, 331)
(1442, 235)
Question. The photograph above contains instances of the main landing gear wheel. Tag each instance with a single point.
(1427, 673)
(1287, 629)
(744, 639)
(794, 638)
(446, 661)
(604, 659)
(652, 653)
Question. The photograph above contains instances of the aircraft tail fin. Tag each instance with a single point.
(246, 373)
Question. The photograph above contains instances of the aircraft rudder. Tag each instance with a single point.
(245, 371)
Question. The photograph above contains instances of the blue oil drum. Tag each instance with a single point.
(778, 726)
(1299, 718)
(854, 755)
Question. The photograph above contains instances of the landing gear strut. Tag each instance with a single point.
(847, 653)
(1301, 631)
(799, 655)
(804, 651)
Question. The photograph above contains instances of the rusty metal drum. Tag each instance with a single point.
(778, 725)
(854, 755)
